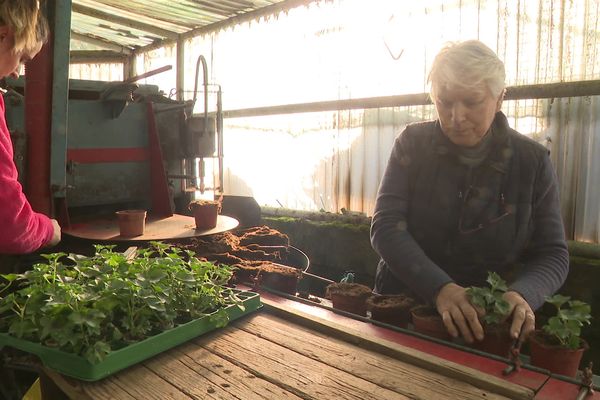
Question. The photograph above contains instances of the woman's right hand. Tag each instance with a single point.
(458, 314)
(56, 234)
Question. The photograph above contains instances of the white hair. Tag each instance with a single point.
(468, 65)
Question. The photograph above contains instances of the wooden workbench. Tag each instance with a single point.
(280, 353)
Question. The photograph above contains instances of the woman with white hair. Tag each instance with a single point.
(466, 194)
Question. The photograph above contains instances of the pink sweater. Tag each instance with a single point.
(22, 230)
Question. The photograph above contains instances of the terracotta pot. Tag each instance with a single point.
(131, 222)
(496, 340)
(555, 359)
(427, 321)
(391, 309)
(205, 214)
(350, 297)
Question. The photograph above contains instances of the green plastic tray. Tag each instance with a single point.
(78, 367)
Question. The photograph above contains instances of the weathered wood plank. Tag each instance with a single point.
(105, 389)
(382, 370)
(142, 383)
(403, 353)
(301, 375)
(201, 374)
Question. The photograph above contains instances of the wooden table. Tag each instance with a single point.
(157, 228)
(282, 353)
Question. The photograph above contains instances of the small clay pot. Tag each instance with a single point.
(205, 213)
(427, 320)
(496, 340)
(555, 358)
(350, 297)
(391, 309)
(131, 222)
(281, 278)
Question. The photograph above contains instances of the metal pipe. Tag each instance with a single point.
(148, 74)
(538, 91)
(317, 277)
(220, 137)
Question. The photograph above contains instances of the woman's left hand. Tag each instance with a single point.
(523, 318)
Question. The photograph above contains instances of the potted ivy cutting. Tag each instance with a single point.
(558, 346)
(496, 328)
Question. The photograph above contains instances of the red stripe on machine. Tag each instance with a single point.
(106, 155)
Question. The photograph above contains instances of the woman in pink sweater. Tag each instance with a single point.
(23, 31)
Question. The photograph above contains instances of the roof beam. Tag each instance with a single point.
(92, 12)
(96, 57)
(101, 43)
(249, 16)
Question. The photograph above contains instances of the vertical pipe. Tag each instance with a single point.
(179, 95)
(220, 139)
(561, 41)
(60, 97)
(180, 74)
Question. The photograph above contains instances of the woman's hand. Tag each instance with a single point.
(458, 314)
(56, 234)
(523, 318)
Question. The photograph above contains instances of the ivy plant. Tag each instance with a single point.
(94, 305)
(490, 299)
(565, 326)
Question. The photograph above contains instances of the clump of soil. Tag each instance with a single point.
(391, 309)
(270, 268)
(349, 297)
(264, 236)
(256, 253)
(278, 277)
(349, 289)
(201, 203)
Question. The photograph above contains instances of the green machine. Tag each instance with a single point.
(128, 146)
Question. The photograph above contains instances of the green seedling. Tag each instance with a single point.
(91, 306)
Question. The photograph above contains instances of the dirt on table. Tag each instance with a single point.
(249, 251)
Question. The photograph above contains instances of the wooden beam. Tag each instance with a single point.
(92, 12)
(399, 352)
(101, 43)
(96, 57)
(554, 90)
(539, 91)
(333, 105)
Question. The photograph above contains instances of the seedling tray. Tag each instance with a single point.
(78, 367)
